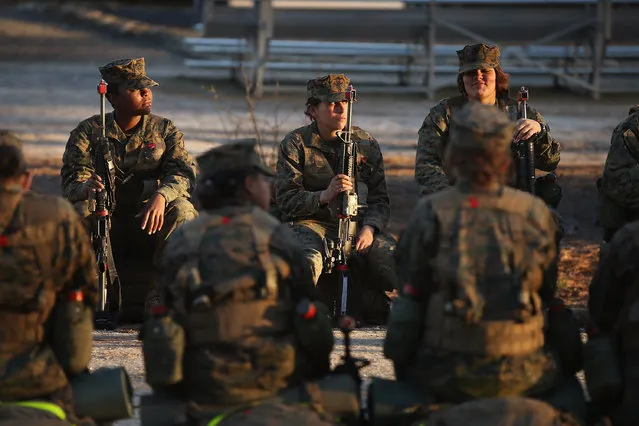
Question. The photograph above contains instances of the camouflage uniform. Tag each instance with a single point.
(475, 265)
(228, 366)
(508, 411)
(618, 187)
(434, 133)
(150, 159)
(613, 305)
(45, 254)
(306, 165)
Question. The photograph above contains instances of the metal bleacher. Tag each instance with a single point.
(575, 43)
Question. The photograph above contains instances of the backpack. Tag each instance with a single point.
(489, 273)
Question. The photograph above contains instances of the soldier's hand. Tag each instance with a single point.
(153, 214)
(339, 184)
(365, 239)
(526, 129)
(93, 184)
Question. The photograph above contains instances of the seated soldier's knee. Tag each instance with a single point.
(381, 261)
(316, 262)
(178, 211)
(82, 208)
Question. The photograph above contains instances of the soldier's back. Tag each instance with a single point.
(36, 241)
(222, 272)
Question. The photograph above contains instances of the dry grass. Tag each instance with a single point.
(576, 267)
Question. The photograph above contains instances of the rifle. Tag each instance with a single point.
(350, 365)
(345, 208)
(109, 294)
(524, 150)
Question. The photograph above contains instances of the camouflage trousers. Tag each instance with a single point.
(126, 232)
(373, 272)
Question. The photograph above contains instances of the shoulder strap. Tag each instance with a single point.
(189, 272)
(263, 226)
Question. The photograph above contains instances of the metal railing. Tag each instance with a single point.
(569, 40)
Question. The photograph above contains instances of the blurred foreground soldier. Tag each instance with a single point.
(241, 324)
(482, 80)
(612, 352)
(307, 182)
(47, 295)
(619, 185)
(507, 411)
(154, 175)
(478, 264)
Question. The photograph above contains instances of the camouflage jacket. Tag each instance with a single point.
(264, 358)
(433, 139)
(306, 164)
(620, 181)
(45, 253)
(153, 159)
(431, 263)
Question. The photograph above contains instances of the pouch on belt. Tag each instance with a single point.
(404, 332)
(72, 333)
(602, 370)
(163, 344)
(563, 336)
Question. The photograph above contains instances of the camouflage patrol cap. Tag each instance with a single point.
(132, 72)
(238, 155)
(330, 88)
(477, 57)
(12, 161)
(483, 127)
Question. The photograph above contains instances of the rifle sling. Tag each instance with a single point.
(113, 273)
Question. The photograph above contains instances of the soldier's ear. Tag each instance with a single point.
(27, 178)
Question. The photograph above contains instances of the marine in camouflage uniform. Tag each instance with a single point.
(477, 266)
(619, 185)
(242, 339)
(45, 256)
(508, 411)
(307, 166)
(613, 307)
(430, 172)
(154, 173)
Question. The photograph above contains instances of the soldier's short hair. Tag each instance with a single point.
(224, 169)
(479, 143)
(12, 161)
